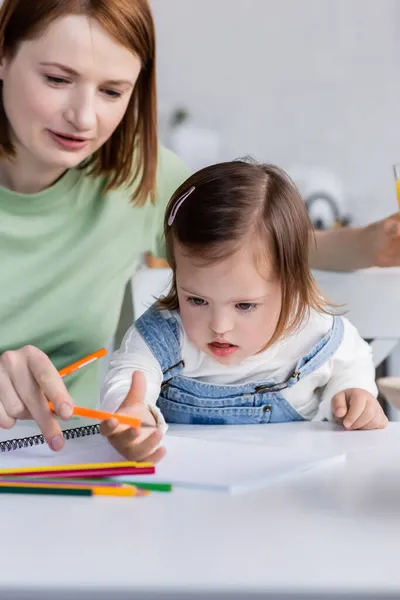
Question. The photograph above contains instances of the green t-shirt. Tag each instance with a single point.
(66, 255)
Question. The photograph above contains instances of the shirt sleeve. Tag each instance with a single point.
(172, 172)
(133, 355)
(352, 366)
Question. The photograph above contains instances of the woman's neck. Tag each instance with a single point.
(25, 177)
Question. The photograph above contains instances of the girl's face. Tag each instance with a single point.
(66, 91)
(228, 310)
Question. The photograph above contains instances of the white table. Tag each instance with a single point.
(333, 533)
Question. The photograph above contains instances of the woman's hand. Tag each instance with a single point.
(383, 237)
(28, 379)
(352, 248)
(135, 444)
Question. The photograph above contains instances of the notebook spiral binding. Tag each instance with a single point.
(36, 440)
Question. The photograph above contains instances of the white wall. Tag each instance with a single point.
(312, 82)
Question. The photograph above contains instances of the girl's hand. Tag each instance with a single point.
(358, 409)
(135, 444)
(28, 379)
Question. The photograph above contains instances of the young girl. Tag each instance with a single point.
(243, 336)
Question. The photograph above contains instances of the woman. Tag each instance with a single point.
(83, 190)
(83, 187)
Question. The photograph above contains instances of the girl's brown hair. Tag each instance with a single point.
(241, 202)
(130, 23)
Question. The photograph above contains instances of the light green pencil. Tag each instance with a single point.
(144, 485)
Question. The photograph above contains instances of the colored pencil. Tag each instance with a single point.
(77, 467)
(45, 491)
(86, 360)
(89, 473)
(144, 485)
(102, 472)
(127, 491)
(61, 481)
(153, 487)
(91, 413)
(101, 415)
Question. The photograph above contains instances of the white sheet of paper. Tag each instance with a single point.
(230, 467)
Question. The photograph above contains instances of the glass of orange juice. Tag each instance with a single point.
(396, 170)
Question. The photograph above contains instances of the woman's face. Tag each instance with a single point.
(66, 91)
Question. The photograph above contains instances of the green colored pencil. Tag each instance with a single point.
(154, 487)
(144, 485)
(45, 491)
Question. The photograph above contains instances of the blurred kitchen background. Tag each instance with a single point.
(312, 85)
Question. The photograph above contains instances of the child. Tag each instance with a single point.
(243, 336)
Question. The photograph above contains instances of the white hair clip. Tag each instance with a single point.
(177, 205)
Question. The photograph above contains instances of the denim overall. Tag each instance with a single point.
(187, 400)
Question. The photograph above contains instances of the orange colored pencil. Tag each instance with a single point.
(102, 415)
(92, 413)
(82, 363)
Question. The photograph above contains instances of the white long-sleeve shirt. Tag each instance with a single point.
(350, 367)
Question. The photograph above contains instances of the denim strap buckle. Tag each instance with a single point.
(181, 364)
(277, 387)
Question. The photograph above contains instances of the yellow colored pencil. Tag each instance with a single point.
(79, 467)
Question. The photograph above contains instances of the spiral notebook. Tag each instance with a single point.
(36, 439)
(83, 445)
